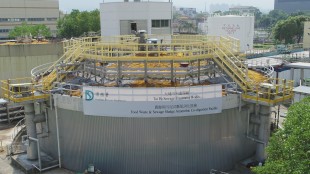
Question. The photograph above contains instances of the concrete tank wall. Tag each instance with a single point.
(193, 144)
(16, 61)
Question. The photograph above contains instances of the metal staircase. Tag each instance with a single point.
(268, 92)
(232, 66)
(222, 51)
(69, 62)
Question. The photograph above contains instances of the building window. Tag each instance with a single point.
(164, 23)
(35, 19)
(51, 19)
(4, 19)
(160, 23)
(4, 30)
(17, 19)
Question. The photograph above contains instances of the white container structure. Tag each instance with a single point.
(240, 27)
(122, 18)
(307, 35)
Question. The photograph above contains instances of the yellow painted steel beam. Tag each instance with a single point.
(222, 50)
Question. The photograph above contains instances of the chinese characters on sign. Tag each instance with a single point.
(230, 29)
(152, 102)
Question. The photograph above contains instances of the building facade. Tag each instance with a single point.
(15, 12)
(243, 9)
(123, 18)
(189, 12)
(291, 6)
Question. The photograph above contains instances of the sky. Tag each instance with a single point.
(67, 5)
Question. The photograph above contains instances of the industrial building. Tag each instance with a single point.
(189, 12)
(292, 6)
(123, 18)
(15, 12)
(243, 9)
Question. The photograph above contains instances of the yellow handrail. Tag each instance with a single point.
(176, 48)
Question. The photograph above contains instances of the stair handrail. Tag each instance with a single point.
(41, 69)
(269, 71)
(18, 127)
(73, 56)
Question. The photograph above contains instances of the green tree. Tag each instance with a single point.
(77, 23)
(25, 30)
(290, 30)
(40, 30)
(267, 21)
(21, 30)
(289, 149)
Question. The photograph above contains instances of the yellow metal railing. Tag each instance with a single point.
(272, 92)
(222, 50)
(20, 90)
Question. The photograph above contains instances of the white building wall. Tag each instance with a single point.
(307, 35)
(112, 13)
(240, 27)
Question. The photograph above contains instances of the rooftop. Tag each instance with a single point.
(302, 89)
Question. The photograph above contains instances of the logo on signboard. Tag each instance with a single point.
(89, 95)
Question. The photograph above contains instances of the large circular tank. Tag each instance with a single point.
(185, 144)
(143, 108)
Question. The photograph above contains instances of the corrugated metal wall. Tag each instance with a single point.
(150, 145)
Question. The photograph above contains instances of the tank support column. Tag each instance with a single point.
(302, 76)
(199, 71)
(292, 73)
(264, 132)
(172, 72)
(32, 150)
(119, 73)
(145, 71)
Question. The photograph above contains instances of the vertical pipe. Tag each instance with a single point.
(32, 152)
(302, 76)
(248, 125)
(199, 71)
(119, 72)
(292, 73)
(57, 130)
(172, 74)
(46, 120)
(39, 155)
(95, 70)
(264, 132)
(8, 112)
(145, 71)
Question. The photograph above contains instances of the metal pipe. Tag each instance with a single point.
(247, 132)
(257, 141)
(46, 120)
(47, 168)
(38, 149)
(57, 130)
(240, 102)
(31, 130)
(247, 128)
